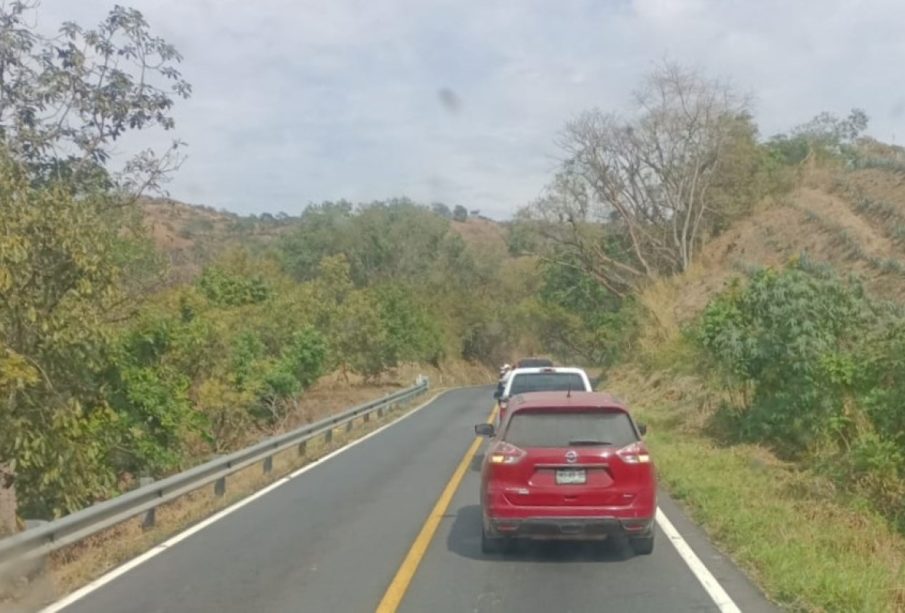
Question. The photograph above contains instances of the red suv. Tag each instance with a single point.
(567, 466)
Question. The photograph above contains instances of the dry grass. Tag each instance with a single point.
(481, 233)
(79, 564)
(808, 221)
(880, 185)
(192, 235)
(842, 214)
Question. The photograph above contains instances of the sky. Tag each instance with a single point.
(461, 101)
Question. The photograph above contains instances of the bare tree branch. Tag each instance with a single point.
(648, 178)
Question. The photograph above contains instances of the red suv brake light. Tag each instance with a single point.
(636, 453)
(506, 453)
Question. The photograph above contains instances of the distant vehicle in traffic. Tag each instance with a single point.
(539, 379)
(567, 466)
(533, 362)
(504, 370)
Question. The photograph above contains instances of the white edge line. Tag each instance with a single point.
(716, 592)
(158, 549)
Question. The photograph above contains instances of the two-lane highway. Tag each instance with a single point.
(334, 538)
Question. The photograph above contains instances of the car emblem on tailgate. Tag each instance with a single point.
(571, 456)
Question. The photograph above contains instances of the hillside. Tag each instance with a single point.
(481, 232)
(853, 220)
(192, 235)
(712, 434)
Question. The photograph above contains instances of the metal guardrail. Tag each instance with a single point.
(35, 543)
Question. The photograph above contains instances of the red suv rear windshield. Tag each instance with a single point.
(566, 429)
(546, 382)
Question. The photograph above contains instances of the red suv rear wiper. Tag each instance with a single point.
(589, 442)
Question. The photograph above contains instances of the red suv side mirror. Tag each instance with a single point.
(484, 429)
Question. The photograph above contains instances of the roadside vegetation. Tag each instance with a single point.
(119, 360)
(747, 301)
(746, 294)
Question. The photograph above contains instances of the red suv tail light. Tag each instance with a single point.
(507, 454)
(636, 453)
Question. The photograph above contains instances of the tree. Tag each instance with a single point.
(442, 210)
(460, 213)
(71, 258)
(825, 134)
(829, 130)
(380, 240)
(650, 178)
(322, 231)
(412, 333)
(65, 100)
(60, 282)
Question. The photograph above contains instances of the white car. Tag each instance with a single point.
(543, 379)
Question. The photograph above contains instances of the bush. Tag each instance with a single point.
(788, 338)
(816, 370)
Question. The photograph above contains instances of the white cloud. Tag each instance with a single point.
(304, 101)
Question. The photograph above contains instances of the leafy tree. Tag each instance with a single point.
(70, 261)
(59, 287)
(65, 100)
(412, 333)
(824, 135)
(577, 316)
(395, 240)
(442, 210)
(524, 234)
(228, 290)
(154, 417)
(460, 213)
(828, 130)
(380, 241)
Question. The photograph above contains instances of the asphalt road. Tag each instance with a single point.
(332, 539)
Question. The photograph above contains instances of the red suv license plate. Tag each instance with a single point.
(571, 476)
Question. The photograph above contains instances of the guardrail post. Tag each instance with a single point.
(328, 435)
(37, 566)
(349, 425)
(303, 448)
(268, 464)
(150, 517)
(367, 417)
(220, 486)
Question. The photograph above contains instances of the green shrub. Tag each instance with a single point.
(817, 371)
(230, 290)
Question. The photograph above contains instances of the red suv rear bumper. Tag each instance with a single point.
(502, 518)
(583, 528)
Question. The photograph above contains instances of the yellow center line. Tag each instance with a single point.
(394, 594)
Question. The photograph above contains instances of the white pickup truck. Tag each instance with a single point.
(542, 379)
